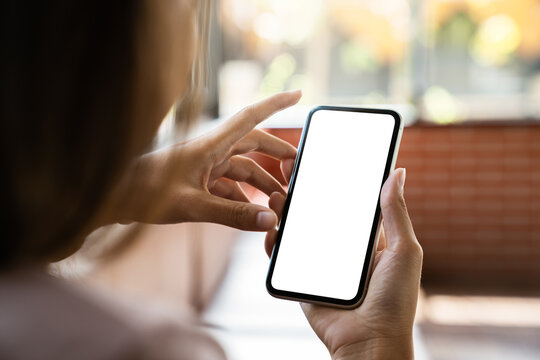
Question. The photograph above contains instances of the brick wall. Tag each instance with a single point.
(473, 193)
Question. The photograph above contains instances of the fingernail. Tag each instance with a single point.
(401, 180)
(274, 195)
(295, 91)
(266, 220)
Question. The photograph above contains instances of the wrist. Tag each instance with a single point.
(380, 349)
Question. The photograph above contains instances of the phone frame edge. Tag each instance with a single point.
(356, 301)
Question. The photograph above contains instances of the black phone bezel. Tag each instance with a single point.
(290, 295)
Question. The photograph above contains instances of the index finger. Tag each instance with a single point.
(244, 121)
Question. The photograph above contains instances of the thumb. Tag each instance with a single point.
(237, 214)
(397, 224)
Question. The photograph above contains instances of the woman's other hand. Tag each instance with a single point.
(203, 174)
(381, 327)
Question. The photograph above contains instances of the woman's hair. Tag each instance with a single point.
(69, 124)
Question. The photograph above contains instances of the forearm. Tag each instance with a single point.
(379, 349)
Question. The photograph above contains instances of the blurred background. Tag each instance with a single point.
(465, 75)
(454, 60)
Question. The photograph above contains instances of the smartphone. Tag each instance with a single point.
(327, 237)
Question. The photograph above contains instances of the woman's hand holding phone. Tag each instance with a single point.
(381, 328)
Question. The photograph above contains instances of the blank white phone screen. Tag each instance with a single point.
(332, 209)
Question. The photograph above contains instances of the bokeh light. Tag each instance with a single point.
(496, 40)
(440, 105)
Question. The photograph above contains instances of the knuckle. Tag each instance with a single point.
(417, 248)
(252, 164)
(244, 162)
(400, 201)
(249, 112)
(276, 102)
(212, 157)
(420, 250)
(239, 215)
(396, 202)
(252, 168)
(413, 248)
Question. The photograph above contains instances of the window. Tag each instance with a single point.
(451, 59)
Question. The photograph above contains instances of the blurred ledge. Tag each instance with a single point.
(480, 122)
(468, 282)
(480, 310)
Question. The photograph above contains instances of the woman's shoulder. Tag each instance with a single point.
(43, 317)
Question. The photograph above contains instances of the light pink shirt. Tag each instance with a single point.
(42, 317)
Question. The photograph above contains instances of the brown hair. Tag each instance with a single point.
(68, 128)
